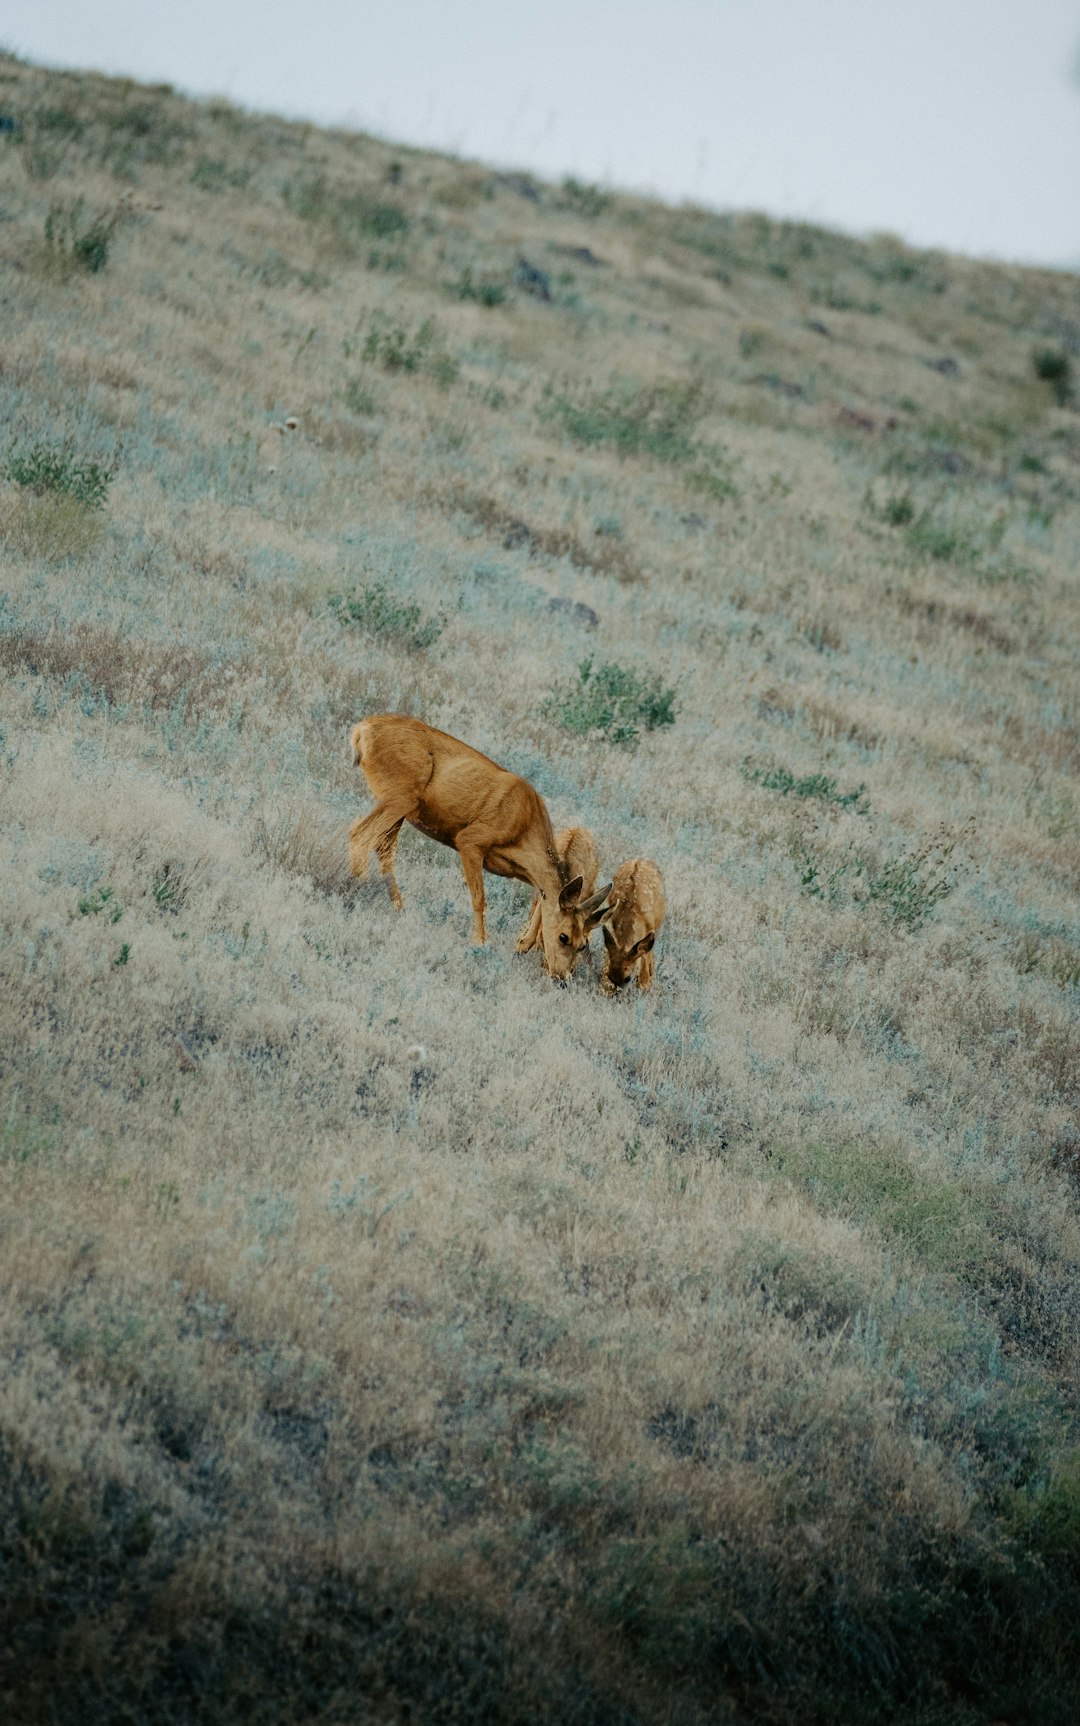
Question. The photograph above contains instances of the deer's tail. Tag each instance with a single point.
(359, 741)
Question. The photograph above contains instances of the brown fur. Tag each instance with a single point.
(637, 895)
(453, 794)
(577, 848)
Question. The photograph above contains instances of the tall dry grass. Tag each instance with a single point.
(388, 1335)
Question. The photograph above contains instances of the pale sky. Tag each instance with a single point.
(953, 123)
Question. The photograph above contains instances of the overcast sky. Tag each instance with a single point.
(954, 123)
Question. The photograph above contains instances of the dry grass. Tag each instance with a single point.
(386, 1334)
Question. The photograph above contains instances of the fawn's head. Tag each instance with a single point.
(619, 963)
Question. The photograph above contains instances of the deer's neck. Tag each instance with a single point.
(540, 862)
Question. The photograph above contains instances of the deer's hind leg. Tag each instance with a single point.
(378, 832)
(530, 935)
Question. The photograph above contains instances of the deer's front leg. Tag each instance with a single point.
(530, 935)
(472, 863)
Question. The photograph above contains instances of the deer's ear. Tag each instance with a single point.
(570, 892)
(594, 901)
(604, 915)
(646, 944)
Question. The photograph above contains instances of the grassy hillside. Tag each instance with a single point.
(387, 1334)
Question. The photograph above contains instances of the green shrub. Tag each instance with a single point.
(908, 888)
(55, 467)
(377, 612)
(656, 420)
(102, 899)
(353, 217)
(1054, 367)
(811, 785)
(211, 174)
(612, 700)
(71, 244)
(585, 199)
(484, 290)
(359, 399)
(397, 349)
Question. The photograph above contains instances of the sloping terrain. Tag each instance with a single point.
(387, 1334)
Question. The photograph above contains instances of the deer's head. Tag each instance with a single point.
(619, 963)
(566, 922)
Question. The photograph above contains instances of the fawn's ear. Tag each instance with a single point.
(646, 944)
(570, 892)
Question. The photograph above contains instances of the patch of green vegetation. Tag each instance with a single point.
(584, 199)
(908, 888)
(141, 131)
(72, 244)
(1049, 1514)
(937, 1220)
(102, 899)
(810, 785)
(55, 467)
(1054, 367)
(1051, 957)
(612, 700)
(378, 612)
(937, 531)
(353, 217)
(485, 290)
(53, 526)
(655, 420)
(359, 399)
(398, 349)
(211, 174)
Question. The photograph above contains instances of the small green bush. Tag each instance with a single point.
(377, 612)
(484, 290)
(353, 217)
(909, 888)
(613, 700)
(102, 899)
(656, 420)
(397, 349)
(586, 200)
(52, 467)
(211, 174)
(1054, 367)
(811, 785)
(359, 399)
(72, 245)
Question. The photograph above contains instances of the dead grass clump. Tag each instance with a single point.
(830, 724)
(125, 671)
(306, 846)
(822, 633)
(607, 555)
(928, 609)
(53, 527)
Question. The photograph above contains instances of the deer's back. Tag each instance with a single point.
(577, 847)
(639, 888)
(453, 783)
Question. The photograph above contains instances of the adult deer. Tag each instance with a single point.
(638, 907)
(577, 848)
(492, 818)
